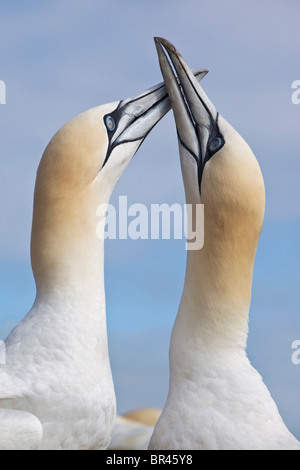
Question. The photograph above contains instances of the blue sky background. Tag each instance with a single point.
(60, 58)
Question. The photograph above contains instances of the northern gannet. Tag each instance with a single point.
(147, 416)
(133, 430)
(130, 435)
(56, 388)
(216, 399)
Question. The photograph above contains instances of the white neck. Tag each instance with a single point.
(68, 261)
(213, 313)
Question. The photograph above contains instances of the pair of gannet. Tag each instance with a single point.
(56, 388)
(216, 399)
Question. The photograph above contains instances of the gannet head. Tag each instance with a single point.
(217, 164)
(219, 170)
(97, 145)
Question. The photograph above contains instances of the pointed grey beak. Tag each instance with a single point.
(135, 117)
(195, 116)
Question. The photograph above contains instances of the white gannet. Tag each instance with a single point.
(133, 430)
(130, 435)
(216, 399)
(56, 388)
(147, 416)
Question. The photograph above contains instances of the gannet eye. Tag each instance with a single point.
(110, 123)
(215, 144)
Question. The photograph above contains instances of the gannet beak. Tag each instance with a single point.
(134, 118)
(195, 116)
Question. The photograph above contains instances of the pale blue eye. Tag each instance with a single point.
(215, 144)
(110, 123)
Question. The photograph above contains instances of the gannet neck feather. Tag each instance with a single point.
(64, 245)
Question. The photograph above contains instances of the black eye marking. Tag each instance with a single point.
(215, 144)
(110, 123)
(216, 141)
